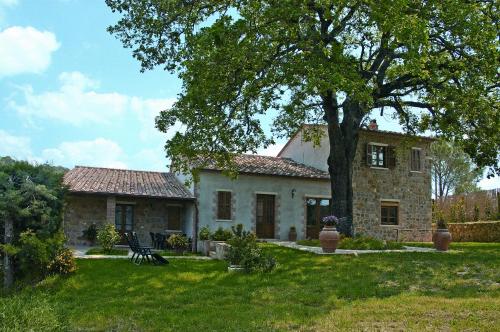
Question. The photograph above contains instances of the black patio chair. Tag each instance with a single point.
(160, 241)
(139, 253)
(153, 240)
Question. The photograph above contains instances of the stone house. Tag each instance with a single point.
(131, 200)
(391, 184)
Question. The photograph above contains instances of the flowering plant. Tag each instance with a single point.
(330, 220)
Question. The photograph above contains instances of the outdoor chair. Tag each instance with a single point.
(160, 241)
(153, 240)
(139, 253)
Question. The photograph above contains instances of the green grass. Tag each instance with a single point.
(453, 291)
(173, 253)
(113, 252)
(358, 243)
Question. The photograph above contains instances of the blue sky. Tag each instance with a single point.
(71, 94)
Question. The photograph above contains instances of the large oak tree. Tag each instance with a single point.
(433, 63)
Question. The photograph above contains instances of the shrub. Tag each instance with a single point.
(33, 256)
(205, 233)
(367, 243)
(222, 234)
(178, 241)
(63, 263)
(90, 234)
(243, 251)
(108, 237)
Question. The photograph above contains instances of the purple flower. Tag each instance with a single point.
(330, 220)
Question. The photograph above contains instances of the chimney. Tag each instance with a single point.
(373, 125)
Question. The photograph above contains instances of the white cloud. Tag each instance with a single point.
(25, 50)
(153, 159)
(77, 102)
(8, 3)
(147, 110)
(73, 103)
(18, 147)
(99, 152)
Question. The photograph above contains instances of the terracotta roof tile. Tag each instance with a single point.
(265, 165)
(82, 179)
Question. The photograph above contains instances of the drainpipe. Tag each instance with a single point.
(196, 218)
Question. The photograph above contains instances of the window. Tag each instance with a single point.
(124, 218)
(224, 205)
(389, 212)
(378, 155)
(416, 160)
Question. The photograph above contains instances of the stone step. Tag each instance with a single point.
(212, 254)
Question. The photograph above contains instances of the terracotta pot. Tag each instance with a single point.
(329, 238)
(292, 235)
(442, 238)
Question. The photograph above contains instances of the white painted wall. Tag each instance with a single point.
(289, 211)
(306, 153)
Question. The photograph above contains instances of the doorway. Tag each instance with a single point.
(265, 216)
(317, 209)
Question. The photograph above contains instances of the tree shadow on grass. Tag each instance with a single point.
(192, 294)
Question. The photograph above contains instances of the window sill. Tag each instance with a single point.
(416, 172)
(223, 220)
(381, 168)
(388, 225)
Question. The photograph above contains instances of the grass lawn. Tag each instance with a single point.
(358, 243)
(459, 290)
(113, 252)
(173, 253)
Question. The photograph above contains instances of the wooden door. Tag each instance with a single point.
(265, 216)
(174, 218)
(317, 208)
(124, 219)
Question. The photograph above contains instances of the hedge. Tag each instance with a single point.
(477, 231)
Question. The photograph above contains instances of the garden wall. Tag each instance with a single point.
(478, 231)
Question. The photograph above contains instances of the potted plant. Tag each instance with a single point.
(178, 242)
(329, 237)
(442, 237)
(292, 234)
(204, 237)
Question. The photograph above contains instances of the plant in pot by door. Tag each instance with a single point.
(204, 237)
(90, 234)
(442, 237)
(178, 242)
(329, 237)
(292, 235)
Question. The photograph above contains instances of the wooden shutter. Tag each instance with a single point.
(224, 205)
(391, 157)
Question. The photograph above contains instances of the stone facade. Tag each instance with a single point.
(150, 215)
(409, 189)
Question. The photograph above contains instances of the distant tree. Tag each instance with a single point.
(433, 62)
(453, 171)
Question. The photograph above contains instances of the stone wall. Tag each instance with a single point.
(477, 231)
(150, 215)
(411, 190)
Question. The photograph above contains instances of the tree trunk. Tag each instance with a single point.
(8, 273)
(343, 138)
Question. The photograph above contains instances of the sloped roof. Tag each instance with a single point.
(96, 180)
(265, 165)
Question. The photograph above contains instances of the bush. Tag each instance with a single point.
(222, 234)
(243, 251)
(33, 256)
(90, 234)
(367, 243)
(108, 237)
(205, 233)
(63, 263)
(178, 241)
